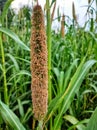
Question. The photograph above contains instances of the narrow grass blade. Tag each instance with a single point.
(75, 122)
(10, 118)
(73, 87)
(21, 110)
(1, 67)
(22, 72)
(93, 36)
(55, 103)
(13, 60)
(52, 2)
(5, 10)
(92, 125)
(14, 37)
(60, 78)
(68, 74)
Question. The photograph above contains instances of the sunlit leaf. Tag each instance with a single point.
(75, 122)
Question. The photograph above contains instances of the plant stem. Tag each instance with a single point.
(49, 49)
(40, 125)
(4, 70)
(49, 53)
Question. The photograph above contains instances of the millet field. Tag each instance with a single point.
(48, 79)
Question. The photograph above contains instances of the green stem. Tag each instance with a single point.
(49, 53)
(40, 125)
(49, 48)
(4, 70)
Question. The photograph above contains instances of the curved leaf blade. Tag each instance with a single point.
(74, 85)
(10, 118)
(92, 125)
(13, 60)
(5, 10)
(75, 122)
(14, 37)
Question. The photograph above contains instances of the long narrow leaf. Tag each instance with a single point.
(14, 37)
(75, 122)
(22, 72)
(73, 88)
(68, 73)
(55, 103)
(5, 9)
(92, 125)
(10, 118)
(13, 60)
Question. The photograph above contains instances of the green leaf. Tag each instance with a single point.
(14, 37)
(21, 110)
(27, 115)
(60, 77)
(5, 9)
(56, 71)
(13, 60)
(68, 73)
(67, 97)
(52, 2)
(1, 67)
(92, 125)
(55, 103)
(93, 36)
(75, 122)
(22, 72)
(73, 87)
(60, 81)
(10, 118)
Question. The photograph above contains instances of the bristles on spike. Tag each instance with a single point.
(39, 69)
